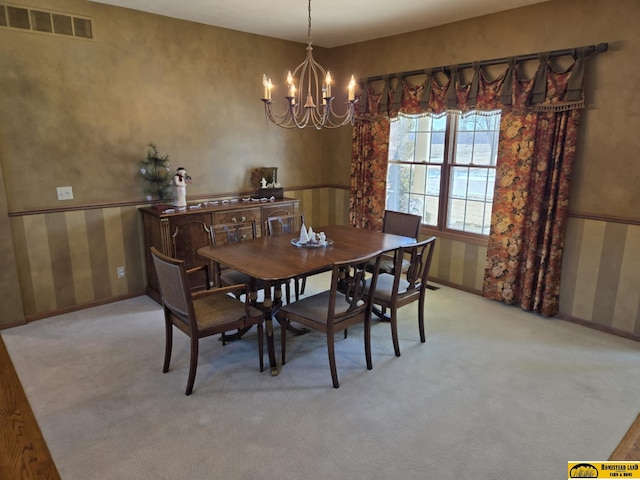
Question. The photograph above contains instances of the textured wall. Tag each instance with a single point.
(80, 113)
(83, 111)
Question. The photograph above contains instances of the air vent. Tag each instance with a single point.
(25, 18)
(41, 21)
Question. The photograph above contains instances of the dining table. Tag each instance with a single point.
(276, 259)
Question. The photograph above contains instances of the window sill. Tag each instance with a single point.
(472, 238)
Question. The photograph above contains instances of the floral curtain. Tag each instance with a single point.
(370, 152)
(538, 135)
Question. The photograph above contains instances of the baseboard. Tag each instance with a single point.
(602, 328)
(75, 308)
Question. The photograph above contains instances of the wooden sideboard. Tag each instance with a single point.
(181, 233)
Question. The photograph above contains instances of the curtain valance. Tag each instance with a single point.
(445, 88)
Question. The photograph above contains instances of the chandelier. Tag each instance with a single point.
(312, 84)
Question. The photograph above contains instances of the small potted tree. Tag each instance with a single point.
(156, 171)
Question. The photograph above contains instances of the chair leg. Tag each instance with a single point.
(332, 359)
(367, 341)
(296, 286)
(283, 339)
(287, 290)
(168, 344)
(193, 365)
(303, 286)
(394, 330)
(261, 346)
(423, 338)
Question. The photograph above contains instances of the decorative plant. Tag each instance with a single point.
(155, 170)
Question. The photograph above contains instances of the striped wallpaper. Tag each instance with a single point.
(601, 274)
(68, 260)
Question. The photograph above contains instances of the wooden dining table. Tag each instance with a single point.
(276, 259)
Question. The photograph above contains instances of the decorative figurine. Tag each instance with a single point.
(304, 238)
(180, 181)
(263, 183)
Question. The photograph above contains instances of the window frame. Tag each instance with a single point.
(450, 147)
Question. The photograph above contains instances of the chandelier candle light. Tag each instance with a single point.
(314, 86)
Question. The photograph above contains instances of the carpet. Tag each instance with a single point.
(495, 393)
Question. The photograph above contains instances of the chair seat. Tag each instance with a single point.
(384, 287)
(314, 308)
(214, 310)
(235, 277)
(387, 264)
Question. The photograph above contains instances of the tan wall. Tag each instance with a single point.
(82, 112)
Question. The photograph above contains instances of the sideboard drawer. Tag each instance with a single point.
(237, 216)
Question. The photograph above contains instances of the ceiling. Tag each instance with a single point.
(333, 22)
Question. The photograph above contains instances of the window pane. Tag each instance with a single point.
(477, 188)
(398, 178)
(423, 146)
(430, 216)
(459, 180)
(474, 217)
(418, 179)
(416, 205)
(437, 147)
(487, 218)
(456, 214)
(464, 148)
(433, 181)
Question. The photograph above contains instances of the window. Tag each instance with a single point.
(443, 168)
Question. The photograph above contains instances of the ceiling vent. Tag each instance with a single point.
(24, 18)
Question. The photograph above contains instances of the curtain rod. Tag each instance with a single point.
(591, 50)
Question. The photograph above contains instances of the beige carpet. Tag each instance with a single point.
(495, 393)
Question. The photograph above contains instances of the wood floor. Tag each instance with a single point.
(24, 453)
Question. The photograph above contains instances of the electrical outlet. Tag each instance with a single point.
(121, 272)
(64, 193)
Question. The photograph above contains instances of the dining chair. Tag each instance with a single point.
(224, 233)
(392, 291)
(398, 223)
(289, 223)
(336, 309)
(200, 314)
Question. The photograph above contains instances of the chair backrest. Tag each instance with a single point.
(420, 255)
(279, 224)
(174, 286)
(223, 233)
(348, 280)
(399, 223)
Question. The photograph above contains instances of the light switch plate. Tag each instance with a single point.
(64, 193)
